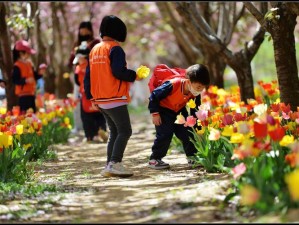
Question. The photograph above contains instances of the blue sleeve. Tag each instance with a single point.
(16, 76)
(86, 82)
(158, 94)
(119, 65)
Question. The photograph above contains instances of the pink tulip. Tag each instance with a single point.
(214, 135)
(180, 119)
(202, 114)
(239, 170)
(191, 121)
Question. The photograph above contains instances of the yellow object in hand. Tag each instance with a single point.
(142, 71)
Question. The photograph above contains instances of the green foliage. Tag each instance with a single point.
(266, 173)
(13, 164)
(18, 21)
(272, 16)
(30, 147)
(176, 144)
(214, 156)
(31, 189)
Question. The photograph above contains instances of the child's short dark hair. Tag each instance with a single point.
(198, 73)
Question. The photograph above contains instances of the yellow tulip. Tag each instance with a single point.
(142, 71)
(249, 195)
(292, 180)
(35, 125)
(227, 131)
(31, 130)
(45, 121)
(67, 120)
(200, 132)
(286, 140)
(5, 140)
(20, 129)
(191, 104)
(3, 110)
(26, 146)
(237, 138)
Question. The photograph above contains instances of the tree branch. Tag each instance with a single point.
(254, 45)
(255, 12)
(205, 38)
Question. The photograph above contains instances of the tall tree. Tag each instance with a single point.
(58, 65)
(221, 17)
(238, 61)
(280, 22)
(7, 63)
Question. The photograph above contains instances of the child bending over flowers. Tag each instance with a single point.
(165, 103)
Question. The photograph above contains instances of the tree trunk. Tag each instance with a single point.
(42, 52)
(185, 43)
(285, 58)
(216, 67)
(280, 23)
(241, 65)
(12, 99)
(64, 86)
(239, 62)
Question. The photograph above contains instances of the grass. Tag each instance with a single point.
(32, 189)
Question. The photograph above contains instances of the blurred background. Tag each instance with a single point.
(157, 33)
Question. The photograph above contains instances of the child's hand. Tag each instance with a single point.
(156, 119)
(94, 106)
(30, 80)
(2, 84)
(142, 72)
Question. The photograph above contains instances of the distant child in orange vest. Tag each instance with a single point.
(107, 84)
(24, 75)
(165, 103)
(93, 120)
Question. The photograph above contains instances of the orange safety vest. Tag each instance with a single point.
(104, 86)
(26, 71)
(176, 100)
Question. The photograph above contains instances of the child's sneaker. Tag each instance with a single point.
(116, 169)
(158, 164)
(105, 172)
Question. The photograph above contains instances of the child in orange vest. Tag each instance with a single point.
(107, 84)
(165, 103)
(93, 120)
(24, 76)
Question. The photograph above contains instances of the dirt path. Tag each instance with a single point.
(177, 195)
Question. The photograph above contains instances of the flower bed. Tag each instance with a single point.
(257, 143)
(27, 137)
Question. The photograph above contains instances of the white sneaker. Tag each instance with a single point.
(105, 172)
(116, 169)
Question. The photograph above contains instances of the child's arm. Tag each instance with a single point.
(16, 76)
(157, 95)
(86, 82)
(119, 65)
(76, 75)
